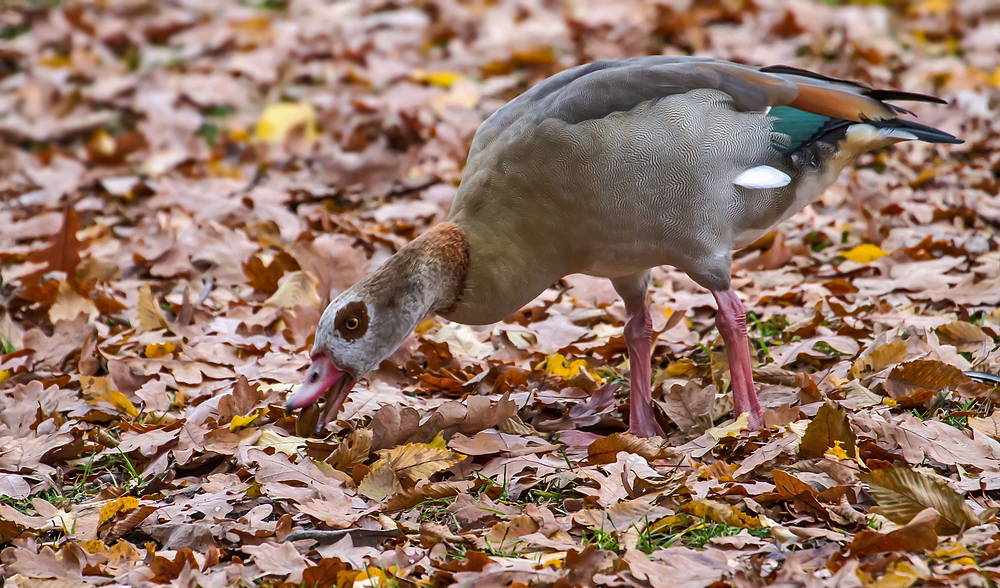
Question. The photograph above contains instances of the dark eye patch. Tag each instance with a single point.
(352, 320)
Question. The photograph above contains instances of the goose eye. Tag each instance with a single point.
(313, 376)
(352, 324)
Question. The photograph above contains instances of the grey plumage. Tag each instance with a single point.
(614, 167)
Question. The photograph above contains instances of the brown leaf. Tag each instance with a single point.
(826, 428)
(907, 378)
(352, 451)
(295, 289)
(917, 535)
(264, 277)
(876, 359)
(989, 425)
(426, 491)
(689, 406)
(622, 515)
(964, 336)
(605, 450)
(63, 254)
(412, 462)
(902, 493)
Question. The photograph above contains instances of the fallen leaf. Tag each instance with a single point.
(411, 462)
(99, 389)
(828, 428)
(907, 378)
(606, 449)
(989, 425)
(865, 253)
(120, 504)
(150, 315)
(903, 493)
(964, 336)
(295, 289)
(876, 359)
(917, 535)
(278, 120)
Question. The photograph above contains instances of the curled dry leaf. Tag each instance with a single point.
(606, 450)
(295, 289)
(352, 451)
(829, 426)
(903, 493)
(150, 315)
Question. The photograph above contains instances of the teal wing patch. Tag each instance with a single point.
(800, 126)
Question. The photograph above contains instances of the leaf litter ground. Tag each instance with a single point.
(185, 185)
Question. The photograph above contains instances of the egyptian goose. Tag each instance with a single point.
(609, 169)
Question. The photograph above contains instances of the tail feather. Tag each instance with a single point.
(921, 132)
(900, 95)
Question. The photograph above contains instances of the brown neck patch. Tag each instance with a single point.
(447, 245)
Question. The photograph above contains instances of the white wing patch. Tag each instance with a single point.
(762, 176)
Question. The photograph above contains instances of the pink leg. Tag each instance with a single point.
(732, 323)
(639, 340)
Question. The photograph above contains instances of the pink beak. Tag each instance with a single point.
(324, 379)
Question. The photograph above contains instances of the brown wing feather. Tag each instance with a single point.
(836, 103)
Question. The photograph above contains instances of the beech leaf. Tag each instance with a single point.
(902, 493)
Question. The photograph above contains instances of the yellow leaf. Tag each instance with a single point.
(444, 79)
(558, 366)
(899, 574)
(239, 422)
(438, 442)
(4, 374)
(953, 553)
(376, 577)
(866, 253)
(94, 546)
(99, 388)
(837, 451)
(239, 135)
(681, 367)
(120, 504)
(411, 462)
(280, 119)
(720, 512)
(731, 430)
(150, 316)
(158, 350)
(54, 61)
(927, 174)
